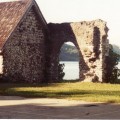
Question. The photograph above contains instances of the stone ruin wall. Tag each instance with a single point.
(93, 43)
(24, 52)
(91, 40)
(29, 57)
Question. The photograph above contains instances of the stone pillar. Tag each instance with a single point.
(92, 40)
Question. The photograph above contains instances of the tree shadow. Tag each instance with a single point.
(60, 110)
(31, 91)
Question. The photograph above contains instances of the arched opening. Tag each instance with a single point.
(69, 56)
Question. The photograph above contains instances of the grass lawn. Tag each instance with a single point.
(95, 92)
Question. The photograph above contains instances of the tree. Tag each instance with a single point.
(60, 71)
(112, 71)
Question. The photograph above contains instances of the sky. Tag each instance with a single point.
(59, 11)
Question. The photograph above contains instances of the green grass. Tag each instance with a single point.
(95, 92)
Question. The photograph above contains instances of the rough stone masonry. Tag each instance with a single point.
(90, 38)
(30, 47)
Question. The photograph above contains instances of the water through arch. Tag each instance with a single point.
(69, 56)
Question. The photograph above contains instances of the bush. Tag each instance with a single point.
(112, 71)
(60, 71)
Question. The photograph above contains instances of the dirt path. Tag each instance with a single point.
(44, 108)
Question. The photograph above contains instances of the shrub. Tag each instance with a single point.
(60, 71)
(112, 71)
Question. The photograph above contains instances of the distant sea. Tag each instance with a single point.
(72, 70)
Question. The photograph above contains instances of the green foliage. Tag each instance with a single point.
(60, 71)
(112, 71)
(69, 53)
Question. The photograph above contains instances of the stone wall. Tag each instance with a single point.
(91, 40)
(24, 52)
(29, 55)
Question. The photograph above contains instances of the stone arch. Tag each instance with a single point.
(90, 38)
(75, 68)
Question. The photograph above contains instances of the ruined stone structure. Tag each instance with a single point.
(90, 38)
(30, 47)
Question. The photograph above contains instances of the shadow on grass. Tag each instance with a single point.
(86, 95)
(61, 90)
